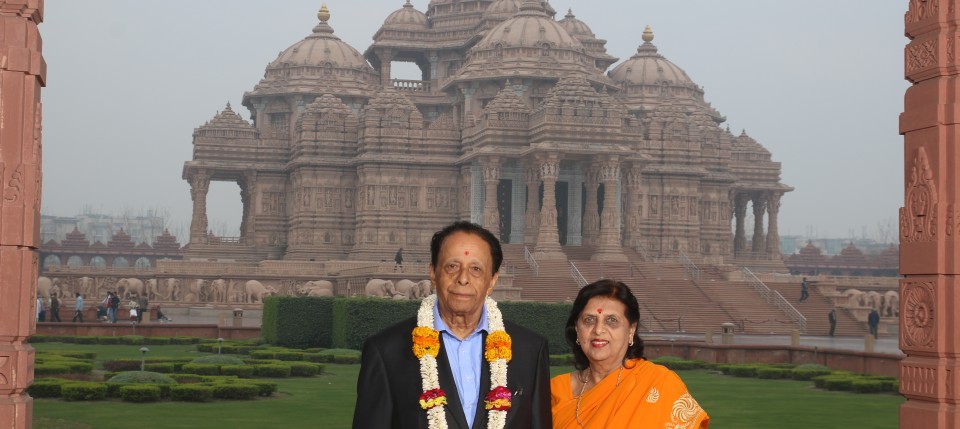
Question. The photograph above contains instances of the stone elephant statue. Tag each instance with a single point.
(219, 288)
(316, 288)
(168, 290)
(892, 304)
(85, 286)
(256, 291)
(854, 297)
(411, 290)
(129, 287)
(193, 290)
(873, 299)
(46, 286)
(380, 288)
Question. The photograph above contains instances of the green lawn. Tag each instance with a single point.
(327, 401)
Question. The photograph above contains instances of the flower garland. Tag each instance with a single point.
(497, 351)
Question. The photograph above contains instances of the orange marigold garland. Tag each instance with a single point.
(497, 351)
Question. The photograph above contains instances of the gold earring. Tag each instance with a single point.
(578, 341)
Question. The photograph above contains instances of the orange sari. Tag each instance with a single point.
(648, 396)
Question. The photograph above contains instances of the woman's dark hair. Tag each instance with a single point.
(496, 252)
(608, 289)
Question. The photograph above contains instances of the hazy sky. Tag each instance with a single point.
(819, 83)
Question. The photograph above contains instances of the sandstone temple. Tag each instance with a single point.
(518, 123)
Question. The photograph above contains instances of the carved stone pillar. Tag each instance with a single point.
(22, 73)
(608, 247)
(199, 185)
(386, 56)
(248, 189)
(740, 213)
(465, 196)
(491, 178)
(773, 233)
(631, 206)
(591, 213)
(930, 220)
(759, 208)
(548, 238)
(531, 217)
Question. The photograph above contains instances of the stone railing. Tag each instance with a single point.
(412, 85)
(692, 270)
(577, 277)
(531, 261)
(775, 298)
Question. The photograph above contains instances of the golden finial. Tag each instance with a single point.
(323, 14)
(647, 34)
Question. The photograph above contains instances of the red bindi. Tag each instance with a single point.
(467, 253)
(599, 311)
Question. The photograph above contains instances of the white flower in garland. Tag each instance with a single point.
(497, 351)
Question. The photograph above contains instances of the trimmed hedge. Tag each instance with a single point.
(202, 368)
(235, 391)
(272, 371)
(83, 391)
(218, 360)
(242, 371)
(561, 360)
(265, 388)
(304, 369)
(809, 371)
(191, 393)
(355, 319)
(543, 318)
(141, 377)
(298, 322)
(49, 368)
(186, 378)
(772, 372)
(46, 387)
(163, 367)
(140, 393)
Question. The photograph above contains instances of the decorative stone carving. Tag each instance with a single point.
(918, 302)
(920, 10)
(918, 220)
(921, 55)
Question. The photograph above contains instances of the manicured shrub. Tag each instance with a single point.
(76, 354)
(839, 383)
(86, 340)
(140, 393)
(346, 359)
(242, 371)
(272, 371)
(132, 340)
(677, 363)
(202, 368)
(771, 372)
(304, 369)
(83, 391)
(546, 319)
(743, 370)
(180, 341)
(157, 341)
(141, 377)
(287, 355)
(809, 371)
(298, 322)
(46, 387)
(235, 391)
(206, 348)
(265, 388)
(120, 365)
(161, 367)
(865, 385)
(191, 392)
(108, 340)
(561, 360)
(262, 354)
(51, 368)
(40, 339)
(186, 378)
(218, 360)
(219, 378)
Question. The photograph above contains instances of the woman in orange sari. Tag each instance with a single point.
(614, 386)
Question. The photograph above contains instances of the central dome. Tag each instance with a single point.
(319, 49)
(647, 67)
(531, 27)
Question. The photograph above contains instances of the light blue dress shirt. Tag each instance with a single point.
(465, 358)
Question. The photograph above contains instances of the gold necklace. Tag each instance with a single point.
(583, 387)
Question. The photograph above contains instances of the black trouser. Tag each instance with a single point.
(55, 315)
(833, 327)
(140, 312)
(78, 316)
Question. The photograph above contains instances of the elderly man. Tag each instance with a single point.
(457, 364)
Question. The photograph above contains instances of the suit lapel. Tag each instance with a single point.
(454, 409)
(480, 419)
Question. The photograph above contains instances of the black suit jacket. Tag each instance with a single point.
(389, 385)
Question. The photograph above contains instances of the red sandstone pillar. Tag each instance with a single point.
(759, 208)
(773, 230)
(631, 205)
(929, 220)
(491, 211)
(608, 247)
(22, 73)
(548, 239)
(531, 217)
(591, 213)
(740, 234)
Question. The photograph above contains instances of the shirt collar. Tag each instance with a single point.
(440, 326)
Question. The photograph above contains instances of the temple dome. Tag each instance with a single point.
(531, 27)
(318, 49)
(647, 67)
(406, 17)
(575, 26)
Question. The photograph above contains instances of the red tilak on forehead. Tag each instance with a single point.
(599, 311)
(467, 253)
